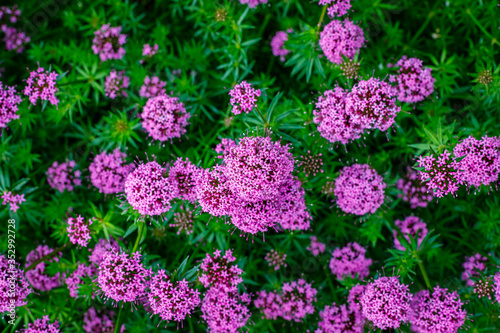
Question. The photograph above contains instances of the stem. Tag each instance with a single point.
(191, 328)
(480, 26)
(320, 20)
(422, 28)
(139, 236)
(118, 319)
(422, 269)
(48, 256)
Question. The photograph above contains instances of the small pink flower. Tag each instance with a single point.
(36, 276)
(409, 227)
(108, 172)
(316, 247)
(350, 261)
(243, 97)
(108, 42)
(63, 176)
(78, 230)
(14, 288)
(277, 45)
(116, 83)
(414, 82)
(341, 39)
(97, 322)
(473, 267)
(219, 270)
(9, 105)
(42, 84)
(74, 281)
(276, 259)
(13, 200)
(42, 325)
(152, 87)
(253, 3)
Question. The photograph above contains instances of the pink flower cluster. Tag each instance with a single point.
(74, 281)
(253, 3)
(147, 190)
(243, 97)
(218, 270)
(78, 230)
(386, 302)
(311, 164)
(108, 41)
(165, 118)
(109, 171)
(63, 176)
(496, 280)
(481, 162)
(9, 14)
(9, 105)
(340, 319)
(341, 39)
(183, 220)
(101, 248)
(414, 191)
(359, 189)
(42, 84)
(183, 175)
(36, 276)
(438, 174)
(350, 261)
(410, 226)
(14, 287)
(277, 45)
(148, 51)
(15, 39)
(276, 259)
(152, 87)
(13, 200)
(116, 83)
(95, 322)
(122, 278)
(343, 116)
(171, 300)
(414, 83)
(255, 186)
(42, 325)
(225, 310)
(294, 302)
(316, 247)
(337, 8)
(330, 114)
(473, 267)
(437, 312)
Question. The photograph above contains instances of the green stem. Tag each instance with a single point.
(321, 20)
(191, 327)
(422, 269)
(480, 26)
(422, 28)
(139, 236)
(118, 320)
(47, 257)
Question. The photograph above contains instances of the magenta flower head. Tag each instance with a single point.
(183, 221)
(311, 164)
(334, 123)
(359, 189)
(165, 118)
(354, 297)
(409, 227)
(9, 14)
(97, 322)
(414, 191)
(171, 300)
(213, 193)
(42, 325)
(9, 105)
(316, 247)
(473, 267)
(74, 281)
(340, 319)
(243, 97)
(438, 174)
(269, 304)
(218, 270)
(437, 312)
(152, 87)
(148, 51)
(481, 162)
(338, 7)
(341, 39)
(108, 172)
(225, 310)
(101, 248)
(277, 45)
(108, 43)
(386, 302)
(122, 277)
(496, 280)
(14, 287)
(297, 299)
(116, 83)
(372, 105)
(13, 200)
(252, 3)
(15, 39)
(257, 167)
(276, 259)
(183, 176)
(78, 230)
(42, 84)
(63, 176)
(148, 191)
(36, 276)
(349, 261)
(414, 82)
